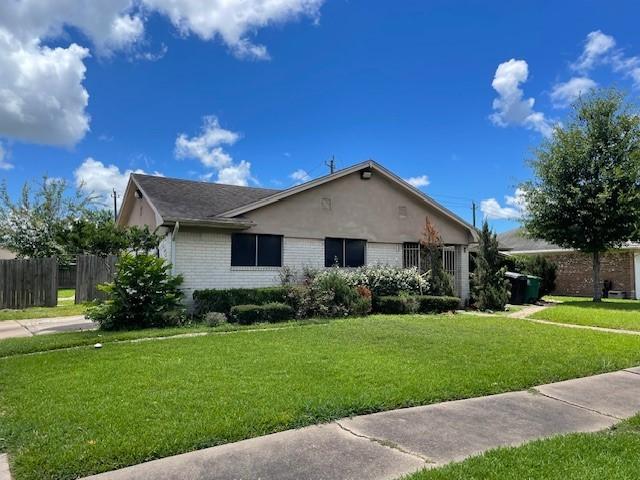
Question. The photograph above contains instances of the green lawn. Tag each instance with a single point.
(65, 308)
(611, 454)
(610, 313)
(88, 338)
(75, 412)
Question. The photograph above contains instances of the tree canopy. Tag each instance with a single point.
(585, 194)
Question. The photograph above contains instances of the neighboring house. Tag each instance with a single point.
(6, 254)
(223, 236)
(620, 267)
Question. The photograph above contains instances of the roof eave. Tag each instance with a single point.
(222, 223)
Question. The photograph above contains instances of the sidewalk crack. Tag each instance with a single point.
(385, 443)
(631, 372)
(587, 409)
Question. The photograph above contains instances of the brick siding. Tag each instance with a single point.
(574, 272)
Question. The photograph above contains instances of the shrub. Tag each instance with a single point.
(143, 294)
(398, 304)
(382, 279)
(270, 312)
(214, 319)
(333, 295)
(277, 312)
(246, 314)
(438, 304)
(212, 300)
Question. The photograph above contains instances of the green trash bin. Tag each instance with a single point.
(533, 289)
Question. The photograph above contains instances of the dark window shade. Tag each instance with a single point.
(243, 250)
(333, 252)
(269, 250)
(354, 253)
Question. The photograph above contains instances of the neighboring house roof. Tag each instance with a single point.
(515, 241)
(175, 200)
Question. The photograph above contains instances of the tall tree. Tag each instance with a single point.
(28, 226)
(490, 288)
(585, 194)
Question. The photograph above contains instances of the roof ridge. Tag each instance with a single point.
(201, 182)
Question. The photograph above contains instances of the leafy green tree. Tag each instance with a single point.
(490, 288)
(585, 194)
(94, 233)
(28, 226)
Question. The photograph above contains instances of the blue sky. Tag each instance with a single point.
(253, 94)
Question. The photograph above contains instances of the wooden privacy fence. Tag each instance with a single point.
(91, 271)
(67, 276)
(29, 283)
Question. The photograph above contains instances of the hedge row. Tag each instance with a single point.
(415, 303)
(269, 312)
(212, 300)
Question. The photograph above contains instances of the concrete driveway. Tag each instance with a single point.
(43, 326)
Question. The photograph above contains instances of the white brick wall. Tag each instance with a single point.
(204, 259)
(384, 254)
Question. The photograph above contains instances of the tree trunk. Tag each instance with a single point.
(597, 288)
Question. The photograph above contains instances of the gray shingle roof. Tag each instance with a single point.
(177, 199)
(515, 240)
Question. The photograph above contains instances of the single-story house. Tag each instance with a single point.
(620, 268)
(224, 236)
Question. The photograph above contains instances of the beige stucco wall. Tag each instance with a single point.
(6, 254)
(366, 209)
(137, 211)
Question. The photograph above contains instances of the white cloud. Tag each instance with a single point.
(510, 106)
(596, 47)
(600, 49)
(99, 179)
(238, 174)
(207, 147)
(563, 94)
(300, 176)
(4, 163)
(514, 209)
(42, 98)
(233, 20)
(420, 181)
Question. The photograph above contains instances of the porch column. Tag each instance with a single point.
(461, 277)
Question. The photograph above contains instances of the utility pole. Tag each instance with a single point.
(331, 164)
(473, 207)
(115, 208)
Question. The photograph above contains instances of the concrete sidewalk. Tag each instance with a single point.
(390, 444)
(43, 326)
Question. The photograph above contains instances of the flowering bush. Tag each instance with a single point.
(382, 280)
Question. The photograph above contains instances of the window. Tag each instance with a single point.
(344, 252)
(250, 250)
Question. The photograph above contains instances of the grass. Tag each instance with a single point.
(66, 307)
(612, 453)
(610, 313)
(75, 412)
(58, 341)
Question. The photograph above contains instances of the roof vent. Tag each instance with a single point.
(365, 174)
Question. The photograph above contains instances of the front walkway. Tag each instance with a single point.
(42, 326)
(525, 313)
(390, 444)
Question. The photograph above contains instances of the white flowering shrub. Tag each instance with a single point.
(383, 279)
